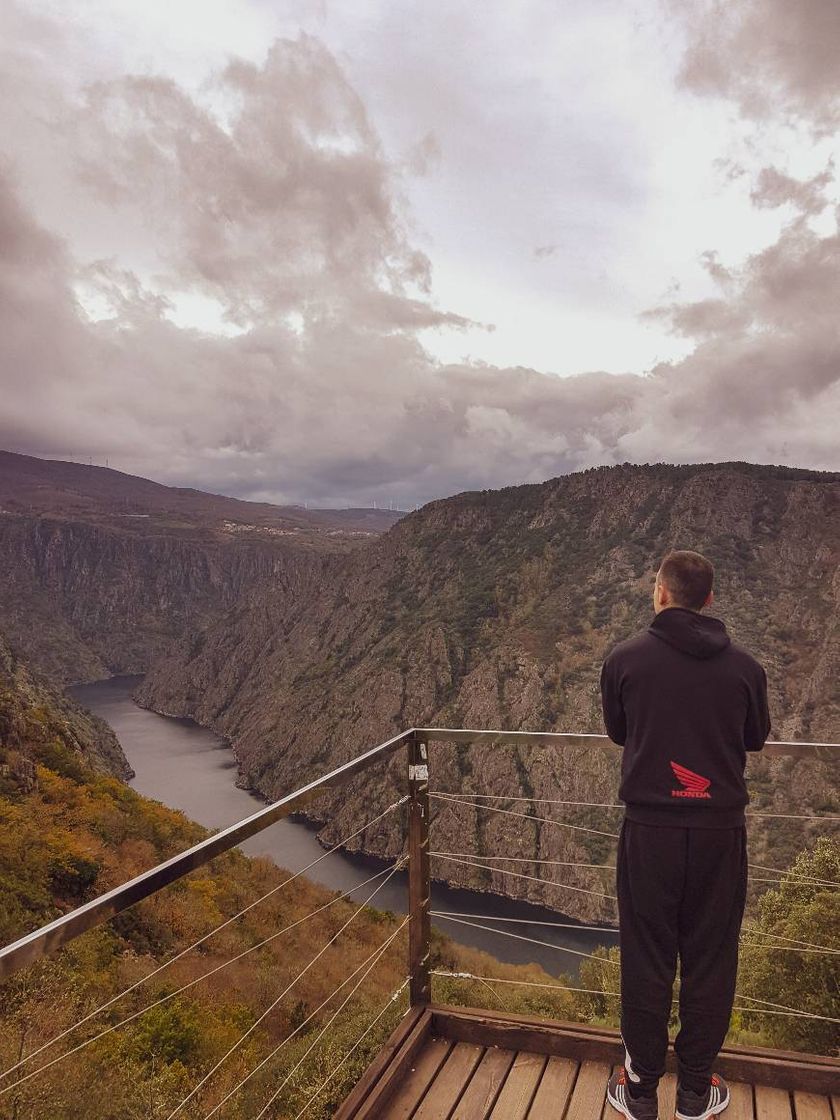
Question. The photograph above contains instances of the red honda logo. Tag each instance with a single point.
(695, 785)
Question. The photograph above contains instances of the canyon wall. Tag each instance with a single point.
(495, 609)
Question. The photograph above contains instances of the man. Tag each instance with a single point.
(686, 703)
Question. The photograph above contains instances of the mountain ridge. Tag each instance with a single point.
(28, 482)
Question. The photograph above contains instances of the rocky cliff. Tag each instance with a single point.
(495, 609)
(102, 571)
(82, 601)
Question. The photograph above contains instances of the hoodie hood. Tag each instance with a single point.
(696, 634)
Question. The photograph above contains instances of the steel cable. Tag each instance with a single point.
(529, 859)
(368, 964)
(792, 940)
(400, 863)
(617, 995)
(606, 960)
(791, 876)
(621, 805)
(611, 929)
(205, 937)
(187, 986)
(523, 816)
(532, 940)
(522, 875)
(524, 921)
(394, 996)
(604, 867)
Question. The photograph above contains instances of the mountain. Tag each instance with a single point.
(495, 609)
(102, 571)
(491, 608)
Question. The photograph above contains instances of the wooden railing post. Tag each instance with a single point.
(419, 882)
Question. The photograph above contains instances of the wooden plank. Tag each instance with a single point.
(772, 1103)
(781, 1069)
(835, 1106)
(388, 1083)
(519, 1088)
(450, 1082)
(536, 1037)
(590, 1091)
(554, 1089)
(807, 1071)
(416, 1081)
(668, 1097)
(485, 1085)
(380, 1063)
(587, 1029)
(811, 1106)
(740, 1105)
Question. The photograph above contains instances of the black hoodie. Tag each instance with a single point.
(686, 704)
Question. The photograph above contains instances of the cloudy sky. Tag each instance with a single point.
(394, 249)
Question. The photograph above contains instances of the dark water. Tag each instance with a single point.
(190, 768)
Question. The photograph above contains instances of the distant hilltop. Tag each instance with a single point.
(51, 486)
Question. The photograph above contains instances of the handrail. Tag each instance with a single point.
(794, 748)
(52, 936)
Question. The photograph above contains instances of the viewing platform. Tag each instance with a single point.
(441, 1062)
(455, 1063)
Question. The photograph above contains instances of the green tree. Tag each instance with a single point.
(776, 971)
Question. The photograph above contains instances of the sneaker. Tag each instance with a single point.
(634, 1108)
(699, 1106)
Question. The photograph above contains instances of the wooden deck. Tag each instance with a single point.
(447, 1063)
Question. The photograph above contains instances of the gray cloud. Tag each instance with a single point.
(289, 205)
(303, 217)
(773, 188)
(769, 56)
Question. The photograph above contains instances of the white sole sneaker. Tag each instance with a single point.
(717, 1103)
(618, 1099)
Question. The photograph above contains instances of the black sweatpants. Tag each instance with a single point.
(680, 891)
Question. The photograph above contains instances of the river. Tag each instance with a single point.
(190, 768)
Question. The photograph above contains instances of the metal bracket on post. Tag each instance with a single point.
(419, 879)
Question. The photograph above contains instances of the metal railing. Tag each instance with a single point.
(415, 741)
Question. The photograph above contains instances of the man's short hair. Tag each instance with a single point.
(688, 576)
